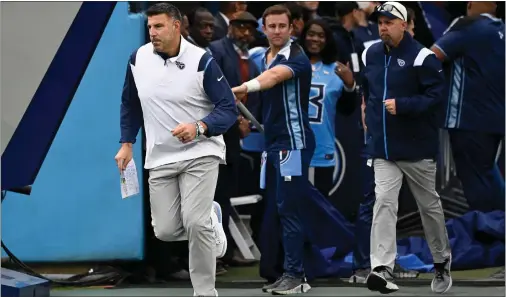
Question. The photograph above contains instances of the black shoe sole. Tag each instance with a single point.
(376, 283)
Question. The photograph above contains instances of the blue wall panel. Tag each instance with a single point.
(75, 211)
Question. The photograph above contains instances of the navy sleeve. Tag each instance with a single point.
(130, 110)
(298, 64)
(456, 40)
(364, 90)
(224, 114)
(431, 85)
(347, 103)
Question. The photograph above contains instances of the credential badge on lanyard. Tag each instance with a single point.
(354, 63)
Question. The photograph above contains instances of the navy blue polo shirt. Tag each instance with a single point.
(285, 106)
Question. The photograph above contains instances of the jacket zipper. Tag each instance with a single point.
(387, 63)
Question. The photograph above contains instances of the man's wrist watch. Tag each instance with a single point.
(200, 129)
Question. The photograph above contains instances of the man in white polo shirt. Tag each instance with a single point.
(186, 104)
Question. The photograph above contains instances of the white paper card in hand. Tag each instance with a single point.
(129, 181)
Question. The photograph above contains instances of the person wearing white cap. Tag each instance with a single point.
(403, 85)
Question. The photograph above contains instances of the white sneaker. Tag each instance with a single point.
(442, 281)
(219, 233)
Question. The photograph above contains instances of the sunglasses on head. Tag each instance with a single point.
(389, 8)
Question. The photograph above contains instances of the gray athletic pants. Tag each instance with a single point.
(181, 196)
(421, 177)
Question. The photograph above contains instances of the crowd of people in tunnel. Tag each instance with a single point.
(339, 50)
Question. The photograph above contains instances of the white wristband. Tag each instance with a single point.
(252, 85)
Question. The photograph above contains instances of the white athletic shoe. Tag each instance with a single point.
(219, 233)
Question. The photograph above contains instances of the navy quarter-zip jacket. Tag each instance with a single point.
(412, 75)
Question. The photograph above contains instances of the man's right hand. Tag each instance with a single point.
(240, 92)
(124, 156)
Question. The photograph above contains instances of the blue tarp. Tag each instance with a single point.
(477, 241)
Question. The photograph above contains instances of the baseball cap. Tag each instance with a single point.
(245, 18)
(393, 10)
(343, 8)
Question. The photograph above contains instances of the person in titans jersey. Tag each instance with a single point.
(303, 212)
(330, 89)
(289, 140)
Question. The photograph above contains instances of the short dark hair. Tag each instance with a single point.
(277, 10)
(329, 52)
(411, 15)
(165, 8)
(193, 14)
(227, 6)
(295, 9)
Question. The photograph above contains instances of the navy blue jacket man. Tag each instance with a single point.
(226, 56)
(413, 76)
(474, 45)
(403, 84)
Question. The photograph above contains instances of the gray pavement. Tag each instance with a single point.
(319, 291)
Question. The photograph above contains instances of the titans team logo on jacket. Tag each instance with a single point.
(180, 65)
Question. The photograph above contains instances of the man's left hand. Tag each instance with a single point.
(185, 132)
(390, 106)
(244, 128)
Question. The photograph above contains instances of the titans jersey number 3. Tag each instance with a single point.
(326, 88)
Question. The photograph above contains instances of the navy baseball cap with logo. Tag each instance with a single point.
(392, 10)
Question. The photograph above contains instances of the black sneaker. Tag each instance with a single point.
(291, 285)
(381, 279)
(442, 281)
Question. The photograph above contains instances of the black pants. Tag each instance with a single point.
(226, 188)
(322, 179)
(249, 184)
(475, 154)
